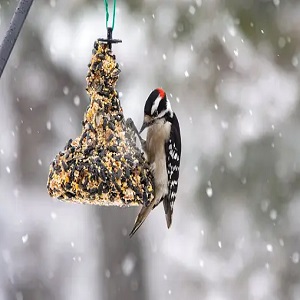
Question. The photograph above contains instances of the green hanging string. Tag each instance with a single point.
(107, 14)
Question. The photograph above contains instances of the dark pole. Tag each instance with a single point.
(13, 32)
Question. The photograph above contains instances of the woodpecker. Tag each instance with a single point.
(163, 151)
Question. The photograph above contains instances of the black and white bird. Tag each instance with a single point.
(163, 150)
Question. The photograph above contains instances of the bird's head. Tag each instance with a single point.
(157, 108)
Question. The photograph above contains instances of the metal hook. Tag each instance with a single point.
(109, 40)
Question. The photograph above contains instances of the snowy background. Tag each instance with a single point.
(231, 72)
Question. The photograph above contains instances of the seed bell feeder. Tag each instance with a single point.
(103, 165)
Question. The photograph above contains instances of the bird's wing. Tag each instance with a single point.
(173, 153)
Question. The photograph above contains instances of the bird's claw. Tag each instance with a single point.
(130, 124)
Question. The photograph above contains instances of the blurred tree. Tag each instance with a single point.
(37, 88)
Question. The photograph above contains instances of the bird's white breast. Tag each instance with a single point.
(157, 135)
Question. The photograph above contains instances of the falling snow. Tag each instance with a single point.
(232, 31)
(25, 238)
(76, 100)
(265, 205)
(224, 125)
(244, 180)
(52, 3)
(209, 192)
(48, 125)
(66, 90)
(273, 214)
(192, 10)
(281, 42)
(295, 257)
(199, 3)
(124, 231)
(128, 265)
(295, 61)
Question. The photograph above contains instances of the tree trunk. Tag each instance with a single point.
(123, 268)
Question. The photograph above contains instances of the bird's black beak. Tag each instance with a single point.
(145, 125)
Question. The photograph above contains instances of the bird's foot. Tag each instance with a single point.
(130, 124)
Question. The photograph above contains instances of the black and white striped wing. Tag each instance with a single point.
(173, 153)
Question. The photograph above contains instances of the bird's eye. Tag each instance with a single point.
(155, 114)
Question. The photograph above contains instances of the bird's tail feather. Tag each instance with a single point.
(168, 211)
(143, 214)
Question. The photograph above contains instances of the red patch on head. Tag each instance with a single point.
(161, 92)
